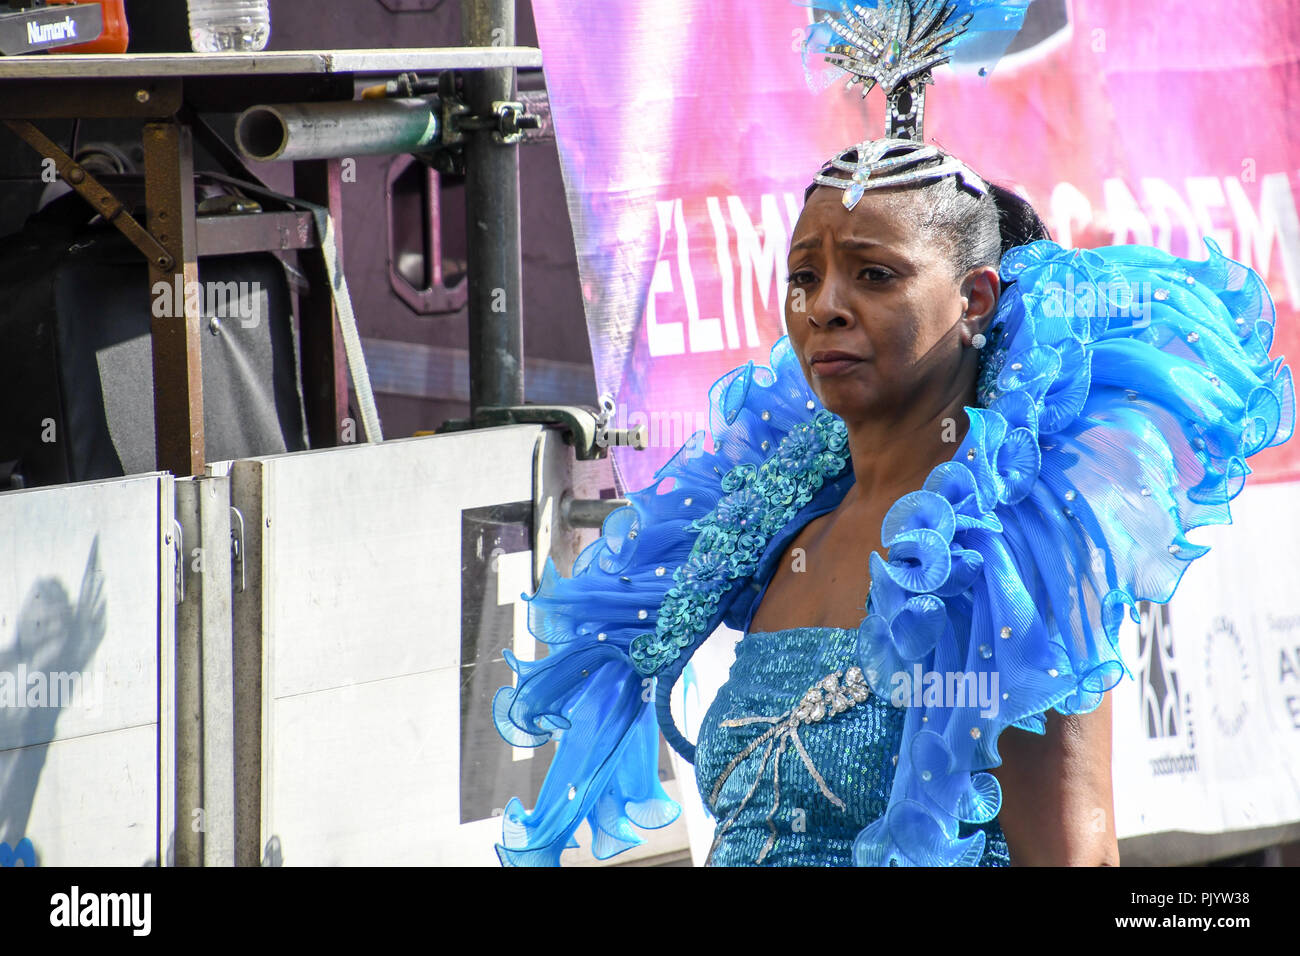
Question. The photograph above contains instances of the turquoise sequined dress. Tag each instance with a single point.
(797, 792)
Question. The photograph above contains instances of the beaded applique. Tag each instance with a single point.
(758, 503)
(826, 698)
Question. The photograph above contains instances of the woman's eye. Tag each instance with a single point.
(799, 277)
(877, 275)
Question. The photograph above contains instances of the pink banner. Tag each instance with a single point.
(688, 133)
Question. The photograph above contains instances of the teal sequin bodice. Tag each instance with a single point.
(796, 755)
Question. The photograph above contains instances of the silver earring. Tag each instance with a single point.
(977, 340)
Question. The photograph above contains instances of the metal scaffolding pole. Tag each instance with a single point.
(496, 353)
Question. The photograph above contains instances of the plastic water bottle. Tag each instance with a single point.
(225, 26)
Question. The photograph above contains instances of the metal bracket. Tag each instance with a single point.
(507, 121)
(583, 428)
(178, 546)
(510, 121)
(237, 545)
(454, 109)
(273, 854)
(94, 192)
(588, 512)
(606, 437)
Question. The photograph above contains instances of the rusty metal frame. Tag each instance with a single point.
(93, 191)
(177, 355)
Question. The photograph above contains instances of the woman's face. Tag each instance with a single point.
(873, 308)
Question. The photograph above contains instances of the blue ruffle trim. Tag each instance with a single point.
(1122, 390)
(588, 692)
(1125, 391)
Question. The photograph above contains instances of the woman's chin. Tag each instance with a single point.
(846, 397)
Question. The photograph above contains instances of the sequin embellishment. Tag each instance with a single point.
(758, 502)
(826, 698)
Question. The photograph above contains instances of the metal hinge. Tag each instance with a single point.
(237, 545)
(178, 548)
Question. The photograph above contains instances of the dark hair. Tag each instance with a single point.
(978, 229)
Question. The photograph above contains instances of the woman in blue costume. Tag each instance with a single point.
(970, 453)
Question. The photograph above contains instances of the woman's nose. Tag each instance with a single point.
(829, 306)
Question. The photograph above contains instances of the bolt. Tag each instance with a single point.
(142, 96)
(76, 175)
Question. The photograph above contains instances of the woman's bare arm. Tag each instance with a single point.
(1057, 797)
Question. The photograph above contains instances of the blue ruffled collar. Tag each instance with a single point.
(1119, 398)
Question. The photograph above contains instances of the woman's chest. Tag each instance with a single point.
(822, 577)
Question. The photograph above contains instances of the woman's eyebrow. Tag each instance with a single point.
(852, 242)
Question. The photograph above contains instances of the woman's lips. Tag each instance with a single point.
(825, 368)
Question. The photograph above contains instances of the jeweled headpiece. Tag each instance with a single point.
(895, 44)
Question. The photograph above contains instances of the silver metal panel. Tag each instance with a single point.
(559, 474)
(89, 66)
(1179, 848)
(360, 555)
(205, 771)
(86, 611)
(356, 553)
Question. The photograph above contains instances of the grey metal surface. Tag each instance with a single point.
(85, 773)
(246, 493)
(205, 779)
(496, 337)
(290, 131)
(559, 477)
(588, 512)
(1179, 848)
(348, 644)
(146, 65)
(189, 676)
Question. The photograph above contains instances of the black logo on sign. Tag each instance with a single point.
(1158, 672)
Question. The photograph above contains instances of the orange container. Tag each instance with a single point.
(115, 36)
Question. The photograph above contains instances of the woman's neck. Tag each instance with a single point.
(893, 455)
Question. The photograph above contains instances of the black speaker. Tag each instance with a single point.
(157, 26)
(76, 369)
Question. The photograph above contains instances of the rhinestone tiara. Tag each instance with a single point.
(895, 46)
